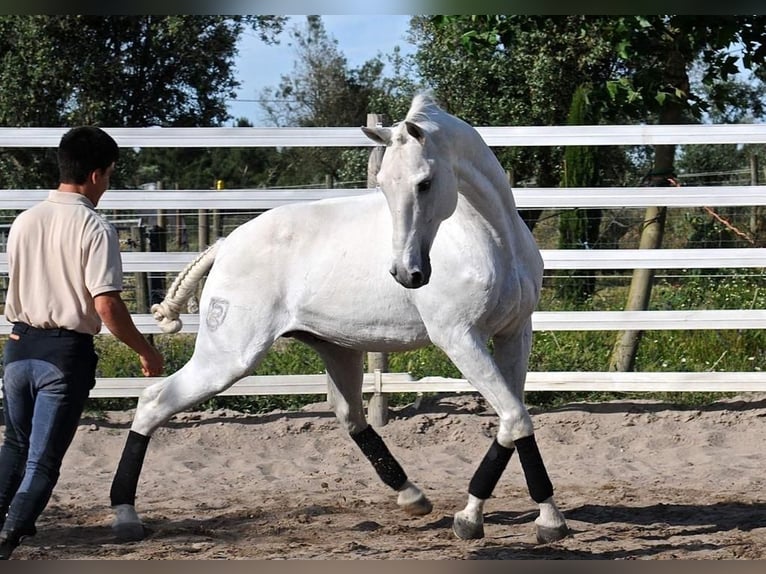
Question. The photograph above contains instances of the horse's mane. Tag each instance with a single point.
(423, 106)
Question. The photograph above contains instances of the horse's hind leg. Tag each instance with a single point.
(207, 373)
(345, 371)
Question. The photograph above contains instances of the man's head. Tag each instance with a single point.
(82, 151)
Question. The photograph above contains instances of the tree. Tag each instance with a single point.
(579, 228)
(513, 70)
(673, 44)
(114, 71)
(321, 91)
(394, 98)
(730, 164)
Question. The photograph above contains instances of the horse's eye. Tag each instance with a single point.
(424, 186)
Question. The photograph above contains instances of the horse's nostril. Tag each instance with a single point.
(417, 279)
(393, 272)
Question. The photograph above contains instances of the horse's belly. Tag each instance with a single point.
(363, 317)
(373, 341)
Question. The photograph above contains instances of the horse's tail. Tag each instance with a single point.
(168, 312)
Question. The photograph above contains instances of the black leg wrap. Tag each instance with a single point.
(540, 487)
(125, 479)
(376, 451)
(490, 470)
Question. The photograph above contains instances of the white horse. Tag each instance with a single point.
(466, 270)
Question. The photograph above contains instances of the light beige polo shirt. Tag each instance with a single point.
(61, 254)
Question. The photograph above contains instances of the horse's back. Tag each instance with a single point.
(323, 266)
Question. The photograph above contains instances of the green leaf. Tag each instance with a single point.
(622, 49)
(611, 88)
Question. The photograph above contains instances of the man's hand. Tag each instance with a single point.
(152, 363)
(115, 315)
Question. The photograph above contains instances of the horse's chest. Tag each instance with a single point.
(483, 279)
(482, 290)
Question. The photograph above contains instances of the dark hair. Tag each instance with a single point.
(83, 150)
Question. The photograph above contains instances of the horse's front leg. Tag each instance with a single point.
(511, 353)
(503, 389)
(550, 523)
(345, 372)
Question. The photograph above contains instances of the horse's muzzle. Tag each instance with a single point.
(411, 278)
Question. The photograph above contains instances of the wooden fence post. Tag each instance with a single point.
(142, 296)
(158, 242)
(217, 223)
(202, 230)
(377, 363)
(181, 236)
(330, 391)
(160, 212)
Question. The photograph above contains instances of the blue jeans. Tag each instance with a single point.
(47, 377)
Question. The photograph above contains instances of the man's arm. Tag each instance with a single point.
(115, 315)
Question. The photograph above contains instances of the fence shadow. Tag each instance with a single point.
(189, 419)
(639, 407)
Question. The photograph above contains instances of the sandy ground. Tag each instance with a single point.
(636, 480)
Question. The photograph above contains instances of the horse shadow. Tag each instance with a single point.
(685, 520)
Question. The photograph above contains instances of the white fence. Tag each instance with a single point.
(545, 198)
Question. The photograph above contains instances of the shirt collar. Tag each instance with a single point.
(70, 198)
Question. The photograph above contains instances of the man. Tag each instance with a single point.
(65, 279)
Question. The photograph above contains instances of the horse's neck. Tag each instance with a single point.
(487, 194)
(483, 184)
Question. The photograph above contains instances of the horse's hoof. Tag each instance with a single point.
(127, 526)
(129, 531)
(548, 534)
(419, 507)
(466, 530)
(412, 500)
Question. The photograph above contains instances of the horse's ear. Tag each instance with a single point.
(379, 135)
(416, 132)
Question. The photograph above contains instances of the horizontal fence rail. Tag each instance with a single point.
(555, 259)
(316, 384)
(560, 321)
(404, 383)
(494, 136)
(526, 198)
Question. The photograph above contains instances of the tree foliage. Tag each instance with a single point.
(517, 70)
(514, 70)
(641, 53)
(114, 71)
(579, 228)
(321, 91)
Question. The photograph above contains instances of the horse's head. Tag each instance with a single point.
(420, 187)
